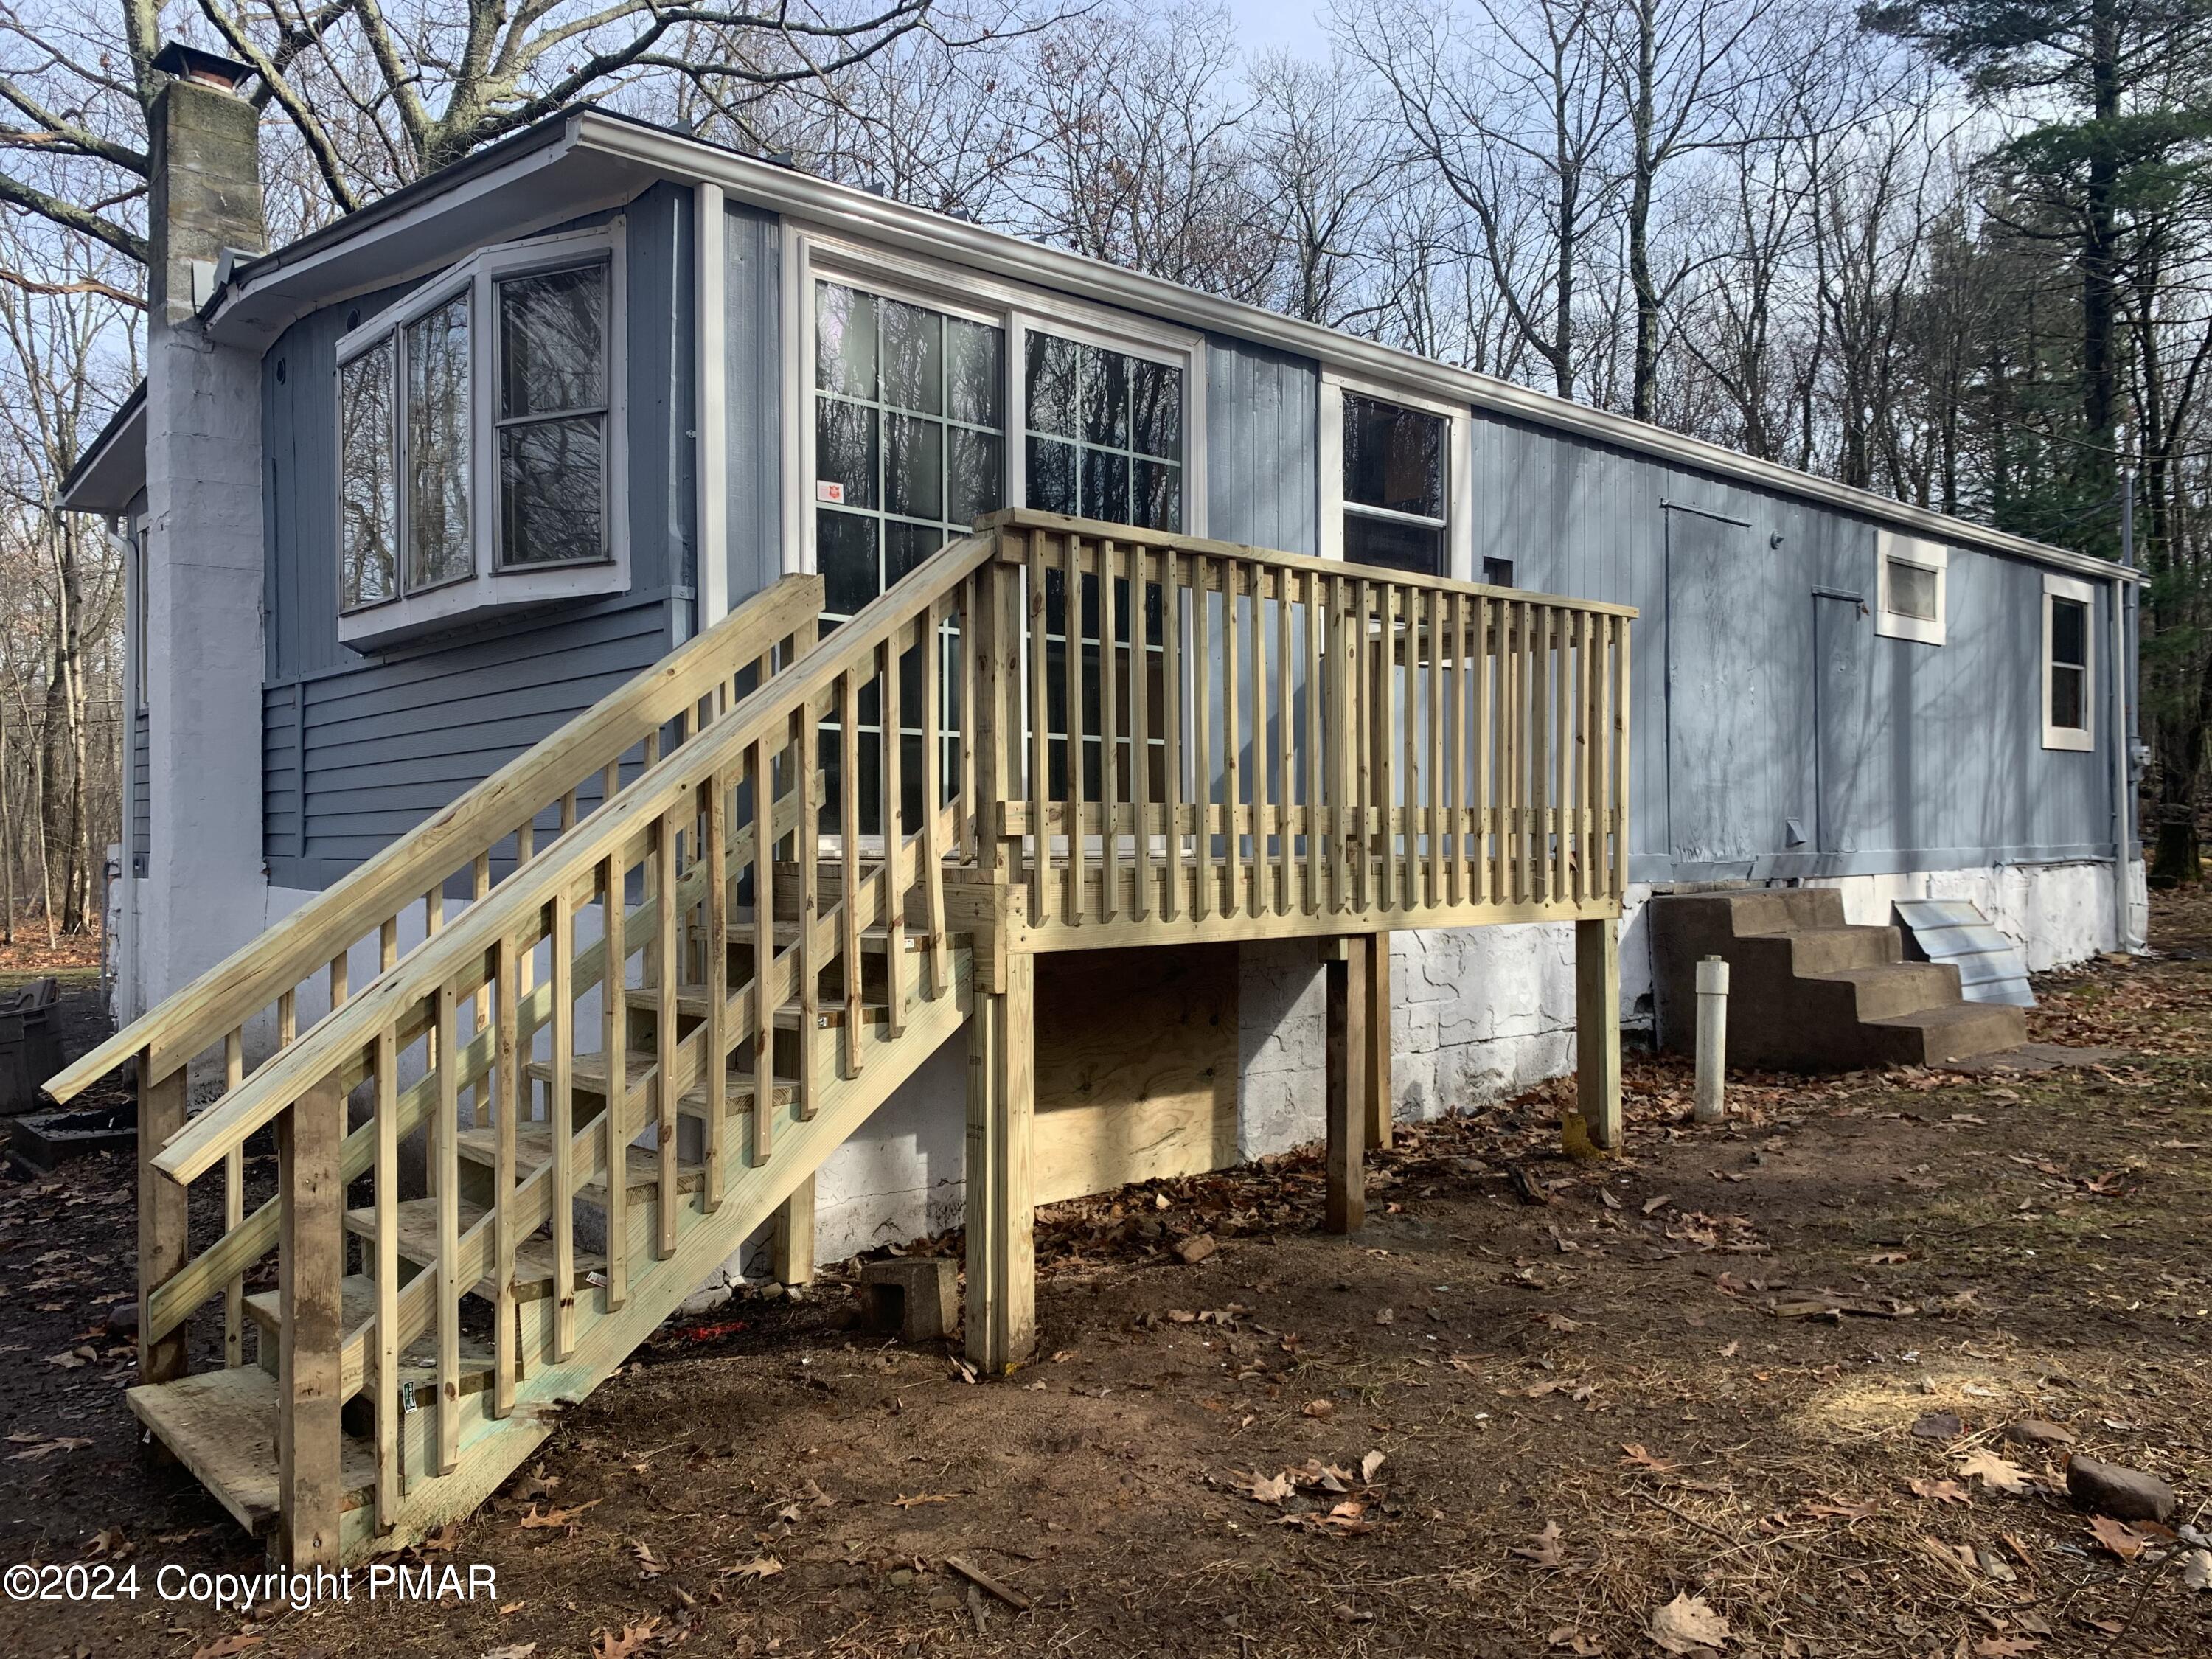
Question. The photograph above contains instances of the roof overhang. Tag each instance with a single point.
(110, 473)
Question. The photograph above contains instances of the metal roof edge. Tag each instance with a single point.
(919, 229)
(106, 449)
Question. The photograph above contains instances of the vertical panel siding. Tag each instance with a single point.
(753, 416)
(1937, 759)
(358, 747)
(1261, 414)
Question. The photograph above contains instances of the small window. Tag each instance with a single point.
(1395, 486)
(478, 452)
(1498, 573)
(1908, 588)
(2069, 660)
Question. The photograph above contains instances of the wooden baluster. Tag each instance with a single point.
(1620, 693)
(568, 812)
(1408, 601)
(1562, 745)
(391, 1474)
(310, 1269)
(1452, 781)
(1508, 751)
(668, 974)
(848, 832)
(714, 1065)
(1041, 875)
(1201, 735)
(809, 965)
(1256, 617)
(890, 797)
(339, 988)
(445, 1154)
(1343, 746)
(970, 634)
(561, 1112)
(233, 1204)
(1285, 774)
(1433, 634)
(388, 946)
(933, 799)
(1386, 739)
(1071, 627)
(609, 782)
(1314, 661)
(764, 929)
(480, 874)
(614, 1046)
(652, 749)
(1232, 736)
(507, 1106)
(1171, 724)
(1583, 747)
(525, 848)
(1109, 749)
(1140, 731)
(1483, 878)
(1539, 758)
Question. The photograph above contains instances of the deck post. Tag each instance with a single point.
(310, 1264)
(1348, 1060)
(1597, 1028)
(793, 1246)
(1001, 1306)
(1379, 1097)
(163, 1248)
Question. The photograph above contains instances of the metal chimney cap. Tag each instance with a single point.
(207, 68)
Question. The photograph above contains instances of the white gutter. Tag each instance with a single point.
(934, 235)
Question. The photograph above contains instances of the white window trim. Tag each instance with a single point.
(491, 588)
(812, 254)
(1459, 465)
(2083, 736)
(1926, 555)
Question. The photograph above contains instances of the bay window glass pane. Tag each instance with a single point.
(975, 480)
(845, 552)
(1105, 380)
(912, 358)
(974, 371)
(1105, 485)
(438, 548)
(845, 439)
(905, 546)
(1393, 457)
(913, 466)
(1155, 400)
(1394, 543)
(553, 342)
(1051, 476)
(845, 341)
(1051, 383)
(552, 491)
(1159, 496)
(368, 485)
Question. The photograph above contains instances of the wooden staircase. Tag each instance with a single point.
(543, 1065)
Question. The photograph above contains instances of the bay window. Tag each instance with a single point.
(478, 450)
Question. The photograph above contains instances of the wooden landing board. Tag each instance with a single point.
(222, 1427)
(1136, 1061)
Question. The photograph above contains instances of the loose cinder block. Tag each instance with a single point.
(918, 1297)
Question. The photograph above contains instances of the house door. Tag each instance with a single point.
(1839, 646)
(1721, 708)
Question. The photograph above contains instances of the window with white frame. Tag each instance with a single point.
(2068, 662)
(1396, 465)
(1910, 579)
(1103, 435)
(479, 442)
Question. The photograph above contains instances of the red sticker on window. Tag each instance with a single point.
(824, 490)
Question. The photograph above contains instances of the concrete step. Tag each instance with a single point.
(1894, 989)
(1831, 950)
(1783, 909)
(1959, 1031)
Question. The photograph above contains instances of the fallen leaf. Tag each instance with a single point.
(533, 1520)
(2005, 1647)
(2118, 1536)
(1317, 1408)
(45, 1449)
(2196, 1571)
(1571, 1639)
(1943, 1491)
(921, 1498)
(1544, 1549)
(1938, 1425)
(761, 1566)
(1687, 1623)
(1370, 1466)
(1826, 1509)
(227, 1646)
(1267, 1488)
(1996, 1473)
(513, 1650)
(1637, 1458)
(1560, 1322)
(632, 1638)
(649, 1565)
(1385, 1316)
(1653, 1206)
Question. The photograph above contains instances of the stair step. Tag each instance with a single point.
(590, 1072)
(533, 1145)
(418, 1364)
(692, 1002)
(222, 1427)
(1831, 950)
(1895, 987)
(418, 1243)
(786, 934)
(1959, 1031)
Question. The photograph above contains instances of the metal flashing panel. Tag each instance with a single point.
(1991, 966)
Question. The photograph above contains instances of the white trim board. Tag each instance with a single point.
(2081, 738)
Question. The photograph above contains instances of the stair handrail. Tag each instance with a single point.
(332, 1052)
(248, 981)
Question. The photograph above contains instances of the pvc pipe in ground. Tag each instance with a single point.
(1712, 1039)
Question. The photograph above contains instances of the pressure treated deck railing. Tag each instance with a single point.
(544, 792)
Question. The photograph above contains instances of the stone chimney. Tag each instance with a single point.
(205, 891)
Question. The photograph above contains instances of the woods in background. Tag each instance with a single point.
(1954, 251)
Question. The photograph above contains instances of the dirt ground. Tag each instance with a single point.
(1741, 1388)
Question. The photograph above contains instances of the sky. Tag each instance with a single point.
(1291, 24)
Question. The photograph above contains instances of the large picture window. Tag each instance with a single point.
(477, 449)
(1104, 433)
